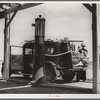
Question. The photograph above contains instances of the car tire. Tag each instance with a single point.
(68, 76)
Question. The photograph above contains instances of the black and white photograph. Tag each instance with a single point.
(50, 48)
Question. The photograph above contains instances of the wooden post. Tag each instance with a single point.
(95, 50)
(6, 50)
(95, 55)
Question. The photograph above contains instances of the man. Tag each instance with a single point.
(81, 74)
(83, 50)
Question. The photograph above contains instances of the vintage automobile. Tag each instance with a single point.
(59, 63)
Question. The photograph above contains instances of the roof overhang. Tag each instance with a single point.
(12, 7)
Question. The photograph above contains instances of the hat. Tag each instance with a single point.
(83, 45)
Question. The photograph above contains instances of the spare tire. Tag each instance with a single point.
(49, 73)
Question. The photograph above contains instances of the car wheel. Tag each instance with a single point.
(68, 76)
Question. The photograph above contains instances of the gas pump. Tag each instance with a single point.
(39, 57)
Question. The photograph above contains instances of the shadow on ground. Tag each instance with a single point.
(58, 87)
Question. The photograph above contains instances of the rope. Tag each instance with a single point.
(77, 57)
(60, 54)
(81, 59)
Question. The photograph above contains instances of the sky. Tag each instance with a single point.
(70, 20)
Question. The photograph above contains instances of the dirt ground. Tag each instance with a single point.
(17, 84)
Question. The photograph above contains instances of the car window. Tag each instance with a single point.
(28, 51)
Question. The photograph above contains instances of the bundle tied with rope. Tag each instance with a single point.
(83, 61)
